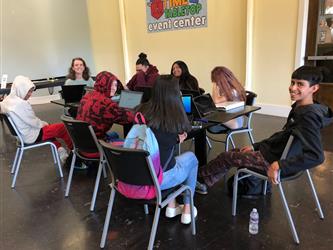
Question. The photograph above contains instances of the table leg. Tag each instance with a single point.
(200, 148)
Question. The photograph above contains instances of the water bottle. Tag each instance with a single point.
(254, 222)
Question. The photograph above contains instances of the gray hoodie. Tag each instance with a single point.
(20, 110)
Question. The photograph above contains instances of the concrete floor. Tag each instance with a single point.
(35, 215)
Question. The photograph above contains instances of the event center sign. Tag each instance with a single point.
(165, 15)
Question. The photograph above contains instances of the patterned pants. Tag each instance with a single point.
(217, 168)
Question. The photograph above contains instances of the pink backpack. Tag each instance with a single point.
(142, 137)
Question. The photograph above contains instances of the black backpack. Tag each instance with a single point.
(248, 187)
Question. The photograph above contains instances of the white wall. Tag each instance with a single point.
(40, 37)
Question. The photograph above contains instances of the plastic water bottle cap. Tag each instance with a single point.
(254, 210)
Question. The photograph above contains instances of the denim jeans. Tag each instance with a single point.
(184, 172)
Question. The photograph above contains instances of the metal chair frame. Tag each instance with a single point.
(21, 147)
(245, 129)
(68, 121)
(249, 172)
(142, 156)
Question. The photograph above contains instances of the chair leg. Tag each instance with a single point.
(192, 214)
(105, 175)
(145, 208)
(265, 188)
(208, 142)
(98, 178)
(232, 142)
(290, 219)
(314, 193)
(17, 168)
(70, 176)
(107, 218)
(234, 195)
(56, 156)
(227, 139)
(15, 160)
(251, 137)
(154, 227)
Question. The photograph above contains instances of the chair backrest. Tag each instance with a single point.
(250, 98)
(131, 166)
(82, 134)
(10, 124)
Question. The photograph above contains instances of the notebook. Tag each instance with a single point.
(130, 99)
(230, 105)
(73, 93)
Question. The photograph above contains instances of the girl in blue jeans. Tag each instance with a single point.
(166, 117)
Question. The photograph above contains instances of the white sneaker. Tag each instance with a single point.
(171, 212)
(62, 154)
(186, 218)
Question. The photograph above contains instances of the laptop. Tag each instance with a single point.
(146, 93)
(73, 93)
(189, 108)
(190, 92)
(130, 99)
(207, 109)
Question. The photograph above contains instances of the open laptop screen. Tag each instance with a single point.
(187, 103)
(73, 93)
(130, 99)
(204, 104)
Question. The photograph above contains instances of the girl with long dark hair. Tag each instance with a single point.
(187, 81)
(166, 117)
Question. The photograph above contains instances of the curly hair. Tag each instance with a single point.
(71, 72)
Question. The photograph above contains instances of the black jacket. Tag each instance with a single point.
(306, 150)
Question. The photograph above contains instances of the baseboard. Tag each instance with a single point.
(43, 99)
(274, 110)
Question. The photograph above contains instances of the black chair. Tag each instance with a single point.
(21, 147)
(84, 141)
(246, 128)
(134, 166)
(262, 175)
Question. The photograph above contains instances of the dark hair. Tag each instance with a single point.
(71, 72)
(142, 59)
(186, 80)
(164, 111)
(313, 75)
(227, 82)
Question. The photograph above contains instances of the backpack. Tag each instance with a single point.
(142, 137)
(248, 187)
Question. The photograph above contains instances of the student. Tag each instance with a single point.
(98, 109)
(167, 119)
(146, 74)
(306, 117)
(227, 88)
(29, 125)
(180, 70)
(79, 73)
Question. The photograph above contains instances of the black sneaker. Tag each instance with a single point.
(201, 188)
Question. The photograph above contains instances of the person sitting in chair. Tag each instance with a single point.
(98, 109)
(29, 125)
(306, 117)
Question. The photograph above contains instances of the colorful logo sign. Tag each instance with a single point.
(165, 15)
